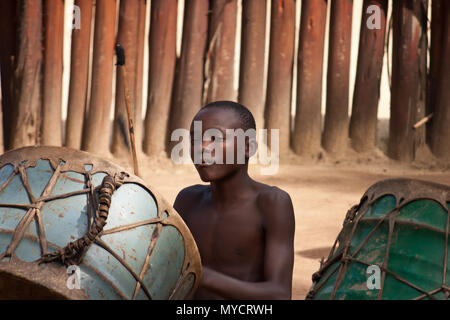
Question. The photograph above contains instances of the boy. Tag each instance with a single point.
(244, 229)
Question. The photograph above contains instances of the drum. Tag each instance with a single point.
(75, 226)
(393, 245)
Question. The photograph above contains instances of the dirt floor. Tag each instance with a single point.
(322, 189)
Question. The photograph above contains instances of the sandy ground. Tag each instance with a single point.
(322, 190)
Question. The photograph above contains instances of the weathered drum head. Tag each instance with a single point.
(49, 197)
(394, 245)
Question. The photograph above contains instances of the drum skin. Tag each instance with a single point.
(401, 228)
(145, 250)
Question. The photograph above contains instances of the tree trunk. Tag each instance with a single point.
(96, 135)
(27, 75)
(188, 86)
(407, 88)
(139, 78)
(127, 37)
(440, 138)
(219, 82)
(363, 122)
(8, 55)
(335, 133)
(79, 73)
(437, 39)
(52, 72)
(162, 57)
(251, 80)
(308, 117)
(279, 79)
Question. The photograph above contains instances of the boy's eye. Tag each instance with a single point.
(216, 139)
(213, 139)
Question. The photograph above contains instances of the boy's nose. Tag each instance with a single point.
(202, 148)
(207, 145)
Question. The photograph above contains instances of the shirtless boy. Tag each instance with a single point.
(244, 229)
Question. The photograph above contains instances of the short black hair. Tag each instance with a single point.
(245, 116)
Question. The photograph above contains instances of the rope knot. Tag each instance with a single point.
(72, 253)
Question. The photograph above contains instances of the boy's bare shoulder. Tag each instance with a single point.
(275, 202)
(193, 191)
(272, 195)
(189, 196)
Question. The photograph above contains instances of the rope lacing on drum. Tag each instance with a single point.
(352, 212)
(72, 252)
(446, 291)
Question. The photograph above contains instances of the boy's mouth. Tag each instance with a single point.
(204, 165)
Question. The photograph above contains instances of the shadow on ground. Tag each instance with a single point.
(315, 253)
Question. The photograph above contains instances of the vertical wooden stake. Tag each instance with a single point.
(279, 79)
(363, 121)
(251, 79)
(308, 117)
(335, 132)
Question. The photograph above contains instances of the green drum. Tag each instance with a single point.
(393, 245)
(75, 226)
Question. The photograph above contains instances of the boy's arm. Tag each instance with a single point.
(278, 258)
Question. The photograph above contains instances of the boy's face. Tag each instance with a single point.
(221, 120)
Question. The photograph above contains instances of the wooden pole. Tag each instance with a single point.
(162, 58)
(279, 79)
(2, 146)
(437, 39)
(126, 37)
(130, 124)
(363, 121)
(219, 63)
(407, 88)
(251, 78)
(188, 83)
(123, 70)
(79, 72)
(308, 116)
(423, 74)
(51, 132)
(96, 134)
(8, 55)
(139, 75)
(335, 133)
(440, 138)
(27, 85)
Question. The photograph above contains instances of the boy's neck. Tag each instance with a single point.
(230, 188)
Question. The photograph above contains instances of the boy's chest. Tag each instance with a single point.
(234, 235)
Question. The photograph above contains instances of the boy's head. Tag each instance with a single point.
(217, 127)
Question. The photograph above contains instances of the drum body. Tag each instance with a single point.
(49, 197)
(393, 245)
